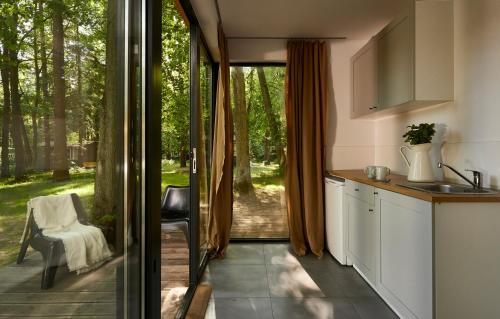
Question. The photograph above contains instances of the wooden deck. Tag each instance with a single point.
(92, 295)
(174, 272)
(261, 216)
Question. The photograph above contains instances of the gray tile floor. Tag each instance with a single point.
(269, 281)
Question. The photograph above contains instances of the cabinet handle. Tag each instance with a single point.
(375, 193)
(356, 189)
(372, 108)
(370, 210)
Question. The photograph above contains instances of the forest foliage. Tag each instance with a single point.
(58, 63)
(58, 67)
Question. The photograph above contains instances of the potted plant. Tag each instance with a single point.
(420, 138)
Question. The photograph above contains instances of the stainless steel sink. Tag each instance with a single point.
(447, 188)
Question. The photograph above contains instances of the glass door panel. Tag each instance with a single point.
(175, 159)
(70, 125)
(205, 149)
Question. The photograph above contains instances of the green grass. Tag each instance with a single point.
(14, 196)
(173, 174)
(267, 176)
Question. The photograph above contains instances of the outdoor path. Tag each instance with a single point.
(261, 216)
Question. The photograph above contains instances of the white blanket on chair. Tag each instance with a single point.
(85, 246)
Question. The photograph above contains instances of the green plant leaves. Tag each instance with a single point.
(420, 134)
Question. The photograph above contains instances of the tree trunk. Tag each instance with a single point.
(17, 120)
(243, 180)
(183, 156)
(272, 118)
(80, 110)
(34, 112)
(61, 169)
(6, 118)
(106, 178)
(27, 147)
(267, 157)
(44, 82)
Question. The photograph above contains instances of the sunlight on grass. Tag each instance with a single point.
(173, 174)
(267, 176)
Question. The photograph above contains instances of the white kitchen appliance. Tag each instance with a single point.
(335, 219)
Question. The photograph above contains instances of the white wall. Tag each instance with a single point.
(468, 128)
(350, 143)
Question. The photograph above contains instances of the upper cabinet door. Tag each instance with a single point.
(364, 80)
(395, 63)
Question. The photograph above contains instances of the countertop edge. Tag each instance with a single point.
(360, 177)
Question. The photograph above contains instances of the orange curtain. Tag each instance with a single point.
(221, 194)
(306, 113)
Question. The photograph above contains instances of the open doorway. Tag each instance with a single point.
(258, 104)
(175, 162)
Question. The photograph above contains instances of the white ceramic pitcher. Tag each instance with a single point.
(421, 167)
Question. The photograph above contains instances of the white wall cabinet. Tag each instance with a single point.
(405, 260)
(395, 67)
(364, 80)
(407, 65)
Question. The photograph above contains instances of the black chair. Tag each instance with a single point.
(52, 249)
(175, 209)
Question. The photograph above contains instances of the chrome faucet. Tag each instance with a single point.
(477, 181)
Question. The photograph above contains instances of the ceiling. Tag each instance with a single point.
(354, 19)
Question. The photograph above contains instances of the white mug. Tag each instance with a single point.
(370, 171)
(381, 173)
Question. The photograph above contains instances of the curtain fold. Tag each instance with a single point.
(221, 190)
(306, 113)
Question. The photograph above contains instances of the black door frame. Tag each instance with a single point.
(153, 33)
(152, 163)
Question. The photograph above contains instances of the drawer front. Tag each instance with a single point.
(361, 191)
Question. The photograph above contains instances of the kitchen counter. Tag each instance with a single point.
(359, 176)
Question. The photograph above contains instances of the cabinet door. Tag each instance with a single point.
(405, 278)
(364, 81)
(395, 64)
(361, 236)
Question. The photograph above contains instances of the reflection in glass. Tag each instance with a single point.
(175, 130)
(62, 117)
(205, 142)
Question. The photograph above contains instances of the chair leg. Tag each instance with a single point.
(22, 252)
(51, 262)
(185, 230)
(48, 276)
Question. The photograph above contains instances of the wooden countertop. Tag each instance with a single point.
(359, 176)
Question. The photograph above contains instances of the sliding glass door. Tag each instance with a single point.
(186, 135)
(72, 126)
(201, 148)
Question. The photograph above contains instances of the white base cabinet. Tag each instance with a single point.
(426, 260)
(361, 229)
(405, 259)
(361, 236)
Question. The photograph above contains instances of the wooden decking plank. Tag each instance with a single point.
(43, 297)
(63, 309)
